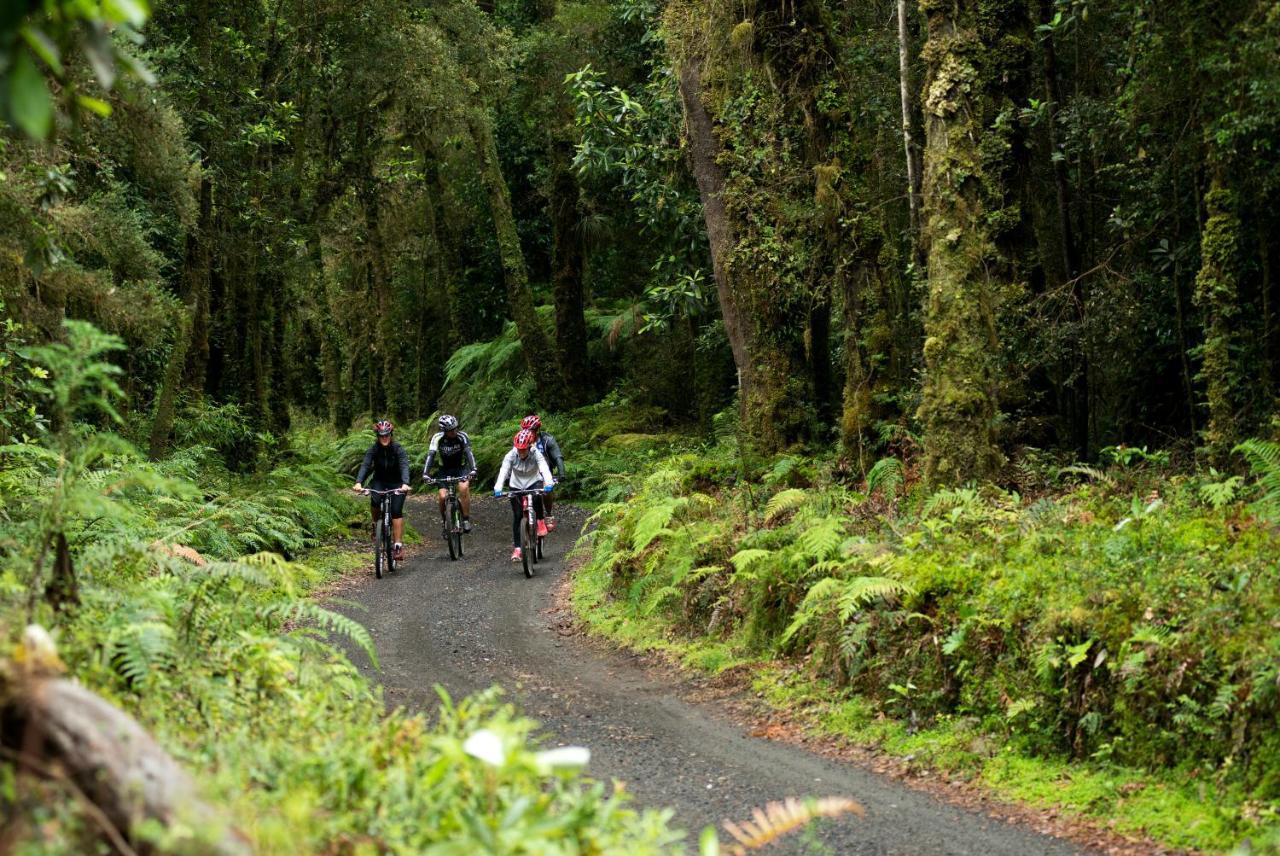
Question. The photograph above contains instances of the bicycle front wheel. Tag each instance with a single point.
(379, 551)
(528, 545)
(388, 547)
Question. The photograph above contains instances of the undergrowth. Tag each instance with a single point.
(177, 590)
(1114, 626)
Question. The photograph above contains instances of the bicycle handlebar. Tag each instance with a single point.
(366, 491)
(446, 479)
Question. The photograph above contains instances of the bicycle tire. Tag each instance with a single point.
(389, 547)
(525, 548)
(377, 550)
(449, 534)
(541, 557)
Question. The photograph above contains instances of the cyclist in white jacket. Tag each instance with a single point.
(525, 469)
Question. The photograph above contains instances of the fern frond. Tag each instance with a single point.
(780, 818)
(861, 591)
(333, 622)
(654, 522)
(886, 476)
(783, 501)
(821, 540)
(1263, 457)
(744, 559)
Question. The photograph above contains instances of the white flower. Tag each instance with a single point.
(564, 756)
(487, 746)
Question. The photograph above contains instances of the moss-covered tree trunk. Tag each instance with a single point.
(1216, 294)
(959, 400)
(538, 353)
(773, 380)
(567, 283)
(167, 402)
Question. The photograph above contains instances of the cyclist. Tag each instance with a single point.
(550, 449)
(388, 463)
(451, 449)
(527, 470)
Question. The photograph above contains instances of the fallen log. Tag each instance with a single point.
(55, 727)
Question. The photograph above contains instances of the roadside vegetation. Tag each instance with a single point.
(177, 591)
(1101, 639)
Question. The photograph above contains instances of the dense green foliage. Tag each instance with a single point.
(914, 287)
(164, 600)
(1123, 618)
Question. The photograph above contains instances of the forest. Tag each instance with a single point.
(920, 361)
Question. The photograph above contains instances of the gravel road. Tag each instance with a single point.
(477, 622)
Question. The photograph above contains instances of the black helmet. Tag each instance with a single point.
(448, 423)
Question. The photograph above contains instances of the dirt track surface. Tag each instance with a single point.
(470, 624)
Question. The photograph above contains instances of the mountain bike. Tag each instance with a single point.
(530, 541)
(453, 531)
(384, 554)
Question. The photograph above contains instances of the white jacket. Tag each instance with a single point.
(525, 473)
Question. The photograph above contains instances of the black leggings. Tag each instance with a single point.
(397, 503)
(517, 516)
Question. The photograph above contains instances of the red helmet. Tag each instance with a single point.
(524, 439)
(531, 422)
(383, 427)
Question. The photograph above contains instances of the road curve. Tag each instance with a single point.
(470, 624)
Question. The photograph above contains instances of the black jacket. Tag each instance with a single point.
(389, 465)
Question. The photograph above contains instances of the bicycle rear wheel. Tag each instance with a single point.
(378, 550)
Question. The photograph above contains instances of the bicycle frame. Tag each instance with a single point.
(384, 534)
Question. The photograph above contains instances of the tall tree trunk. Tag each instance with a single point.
(538, 354)
(384, 364)
(855, 414)
(774, 387)
(200, 275)
(909, 146)
(567, 283)
(959, 398)
(166, 403)
(1217, 286)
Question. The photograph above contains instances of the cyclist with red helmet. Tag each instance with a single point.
(550, 449)
(388, 463)
(526, 469)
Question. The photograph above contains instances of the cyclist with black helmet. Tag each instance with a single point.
(451, 449)
(388, 463)
(550, 449)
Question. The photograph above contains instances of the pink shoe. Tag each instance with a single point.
(515, 554)
(542, 529)
(551, 524)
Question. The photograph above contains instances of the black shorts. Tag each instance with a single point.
(397, 501)
(452, 473)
